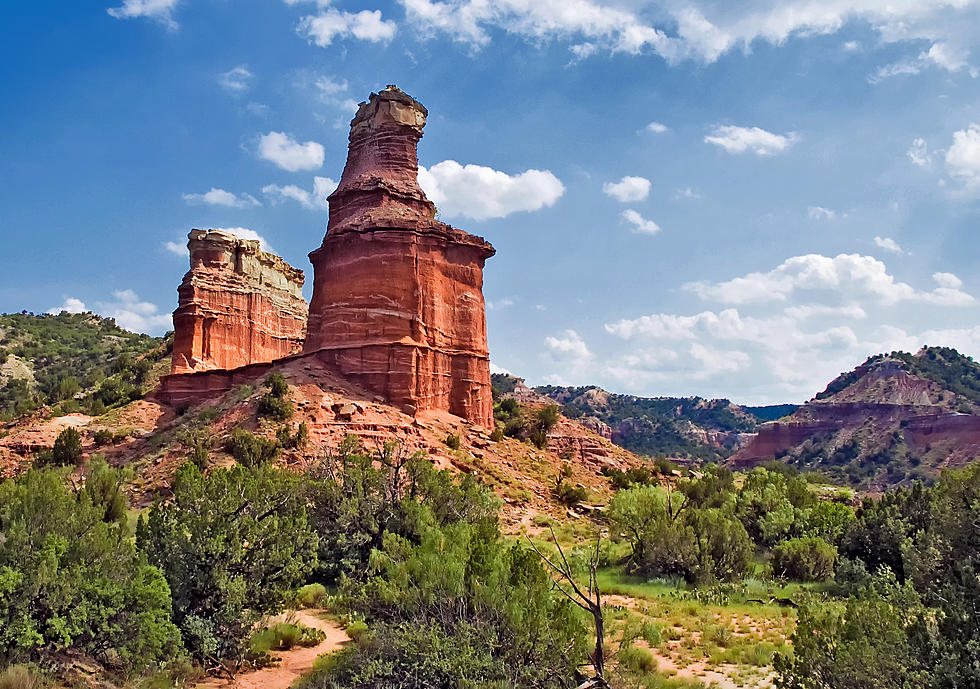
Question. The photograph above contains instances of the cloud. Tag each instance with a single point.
(236, 80)
(919, 154)
(750, 139)
(315, 200)
(897, 69)
(180, 248)
(499, 304)
(628, 189)
(699, 30)
(656, 128)
(366, 25)
(478, 192)
(847, 274)
(640, 225)
(159, 10)
(71, 305)
(820, 213)
(176, 248)
(288, 154)
(687, 193)
(568, 347)
(963, 157)
(778, 356)
(220, 197)
(132, 313)
(889, 244)
(494, 369)
(947, 280)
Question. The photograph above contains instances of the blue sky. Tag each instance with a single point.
(687, 196)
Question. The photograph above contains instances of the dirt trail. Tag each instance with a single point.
(295, 663)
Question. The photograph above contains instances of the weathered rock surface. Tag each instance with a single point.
(238, 305)
(398, 302)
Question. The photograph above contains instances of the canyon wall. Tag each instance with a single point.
(237, 305)
(398, 302)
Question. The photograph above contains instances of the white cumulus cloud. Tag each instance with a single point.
(71, 305)
(480, 193)
(657, 128)
(638, 223)
(330, 23)
(313, 200)
(132, 313)
(179, 248)
(963, 157)
(289, 154)
(160, 10)
(848, 274)
(889, 244)
(750, 140)
(569, 345)
(220, 197)
(628, 189)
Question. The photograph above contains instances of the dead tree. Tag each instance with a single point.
(589, 600)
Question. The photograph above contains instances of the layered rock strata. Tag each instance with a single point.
(237, 305)
(397, 295)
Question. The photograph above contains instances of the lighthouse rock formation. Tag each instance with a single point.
(397, 303)
(397, 295)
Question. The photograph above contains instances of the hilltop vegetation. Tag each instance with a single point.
(82, 359)
(944, 366)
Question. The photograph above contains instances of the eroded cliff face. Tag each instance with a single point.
(237, 305)
(397, 295)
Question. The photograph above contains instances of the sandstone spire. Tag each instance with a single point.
(397, 295)
(237, 305)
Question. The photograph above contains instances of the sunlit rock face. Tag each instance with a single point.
(237, 305)
(397, 295)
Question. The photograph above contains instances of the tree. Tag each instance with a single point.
(462, 608)
(808, 558)
(232, 544)
(67, 447)
(862, 646)
(71, 577)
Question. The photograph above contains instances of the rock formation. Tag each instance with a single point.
(238, 305)
(397, 295)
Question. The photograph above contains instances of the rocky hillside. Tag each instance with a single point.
(50, 359)
(317, 411)
(677, 427)
(895, 418)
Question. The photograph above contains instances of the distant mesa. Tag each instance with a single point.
(397, 304)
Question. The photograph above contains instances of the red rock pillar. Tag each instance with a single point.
(397, 295)
(237, 305)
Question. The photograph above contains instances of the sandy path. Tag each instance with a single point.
(295, 663)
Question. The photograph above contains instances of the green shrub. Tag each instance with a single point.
(453, 442)
(275, 408)
(249, 449)
(67, 447)
(497, 434)
(103, 436)
(71, 577)
(637, 659)
(570, 495)
(539, 438)
(312, 596)
(208, 414)
(547, 417)
(358, 631)
(232, 544)
(278, 387)
(807, 559)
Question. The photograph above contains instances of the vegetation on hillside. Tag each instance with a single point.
(945, 366)
(81, 362)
